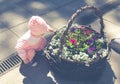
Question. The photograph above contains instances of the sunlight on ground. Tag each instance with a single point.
(5, 79)
(97, 2)
(37, 5)
(114, 62)
(11, 18)
(7, 44)
(111, 32)
(113, 16)
(1, 0)
(54, 17)
(20, 29)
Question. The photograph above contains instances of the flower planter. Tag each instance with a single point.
(77, 51)
(78, 72)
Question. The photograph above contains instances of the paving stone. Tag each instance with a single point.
(20, 29)
(7, 44)
(4, 8)
(113, 16)
(61, 3)
(13, 77)
(37, 7)
(60, 17)
(55, 20)
(12, 15)
(2, 26)
(111, 30)
(3, 2)
(97, 3)
(109, 9)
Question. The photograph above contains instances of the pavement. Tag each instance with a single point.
(14, 16)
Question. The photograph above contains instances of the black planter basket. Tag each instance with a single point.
(74, 69)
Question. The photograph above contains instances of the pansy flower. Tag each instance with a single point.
(73, 41)
(72, 30)
(82, 27)
(91, 49)
(94, 38)
(87, 31)
(89, 41)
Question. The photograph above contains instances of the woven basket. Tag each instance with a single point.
(74, 69)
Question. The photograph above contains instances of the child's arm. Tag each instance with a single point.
(20, 48)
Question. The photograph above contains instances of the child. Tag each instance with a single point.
(33, 39)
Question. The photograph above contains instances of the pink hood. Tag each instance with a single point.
(38, 26)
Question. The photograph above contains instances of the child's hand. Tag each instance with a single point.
(50, 30)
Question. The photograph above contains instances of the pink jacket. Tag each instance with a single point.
(33, 39)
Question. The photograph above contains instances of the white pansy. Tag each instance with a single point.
(83, 54)
(101, 40)
(52, 54)
(55, 50)
(100, 51)
(94, 56)
(50, 47)
(76, 57)
(65, 48)
(105, 52)
(87, 63)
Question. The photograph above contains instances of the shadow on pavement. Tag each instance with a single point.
(38, 74)
(108, 77)
(115, 45)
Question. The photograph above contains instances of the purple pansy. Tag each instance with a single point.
(89, 41)
(94, 38)
(98, 54)
(91, 49)
(72, 30)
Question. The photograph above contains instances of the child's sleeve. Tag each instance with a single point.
(21, 48)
